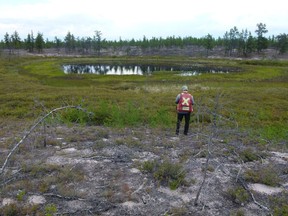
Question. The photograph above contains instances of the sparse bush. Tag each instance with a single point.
(279, 204)
(128, 141)
(280, 211)
(76, 116)
(24, 184)
(266, 175)
(248, 155)
(18, 210)
(238, 195)
(68, 190)
(59, 175)
(161, 118)
(38, 170)
(167, 173)
(67, 175)
(129, 114)
(149, 166)
(109, 194)
(102, 113)
(171, 174)
(103, 133)
(237, 212)
(43, 186)
(179, 211)
(10, 210)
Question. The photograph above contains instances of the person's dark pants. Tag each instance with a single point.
(179, 120)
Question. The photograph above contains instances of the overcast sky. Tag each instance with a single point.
(133, 18)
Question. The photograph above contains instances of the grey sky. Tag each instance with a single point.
(133, 19)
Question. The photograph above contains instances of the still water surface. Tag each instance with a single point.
(103, 69)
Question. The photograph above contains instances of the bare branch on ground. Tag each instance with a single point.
(30, 131)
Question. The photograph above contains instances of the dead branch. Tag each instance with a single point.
(245, 186)
(205, 172)
(31, 129)
(62, 197)
(210, 142)
(141, 186)
(203, 181)
(11, 178)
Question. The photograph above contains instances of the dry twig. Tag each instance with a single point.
(31, 129)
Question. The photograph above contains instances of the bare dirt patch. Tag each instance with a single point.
(99, 171)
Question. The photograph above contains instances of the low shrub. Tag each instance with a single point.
(237, 212)
(10, 210)
(248, 155)
(279, 204)
(149, 166)
(166, 173)
(15, 210)
(265, 175)
(238, 195)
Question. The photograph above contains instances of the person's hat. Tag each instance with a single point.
(184, 88)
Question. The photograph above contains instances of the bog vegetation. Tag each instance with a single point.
(255, 97)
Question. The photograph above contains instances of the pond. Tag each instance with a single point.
(103, 69)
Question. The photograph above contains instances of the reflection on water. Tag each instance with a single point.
(113, 69)
(102, 69)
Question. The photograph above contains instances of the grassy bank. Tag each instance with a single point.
(255, 98)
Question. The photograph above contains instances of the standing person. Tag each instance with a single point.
(184, 103)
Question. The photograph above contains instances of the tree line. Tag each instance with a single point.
(235, 42)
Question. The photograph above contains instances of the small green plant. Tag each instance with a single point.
(20, 195)
(50, 209)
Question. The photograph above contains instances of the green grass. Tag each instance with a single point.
(255, 97)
